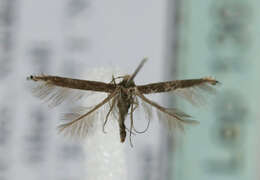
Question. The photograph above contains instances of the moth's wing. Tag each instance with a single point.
(175, 120)
(148, 110)
(55, 89)
(197, 95)
(55, 95)
(171, 118)
(83, 120)
(115, 111)
(193, 90)
(82, 128)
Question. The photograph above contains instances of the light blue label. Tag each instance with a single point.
(221, 39)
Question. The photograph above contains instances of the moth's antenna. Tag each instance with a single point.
(137, 70)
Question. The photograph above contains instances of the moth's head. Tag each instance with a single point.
(127, 81)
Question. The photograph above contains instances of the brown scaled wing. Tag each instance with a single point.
(173, 85)
(75, 83)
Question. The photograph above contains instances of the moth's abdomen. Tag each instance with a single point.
(122, 127)
(123, 106)
(122, 132)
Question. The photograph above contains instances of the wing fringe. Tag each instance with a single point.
(55, 95)
(82, 128)
(171, 118)
(82, 120)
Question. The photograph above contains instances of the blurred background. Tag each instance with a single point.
(182, 39)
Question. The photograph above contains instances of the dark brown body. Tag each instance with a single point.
(125, 100)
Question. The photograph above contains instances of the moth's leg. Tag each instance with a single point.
(136, 103)
(110, 110)
(120, 77)
(64, 126)
(147, 127)
(113, 80)
(131, 124)
(128, 130)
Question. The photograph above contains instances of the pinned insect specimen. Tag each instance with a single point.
(123, 98)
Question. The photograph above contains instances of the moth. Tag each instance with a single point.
(123, 98)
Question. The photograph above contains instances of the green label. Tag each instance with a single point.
(221, 39)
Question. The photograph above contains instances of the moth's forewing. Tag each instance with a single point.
(57, 89)
(75, 83)
(192, 90)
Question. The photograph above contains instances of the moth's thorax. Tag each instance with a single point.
(126, 89)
